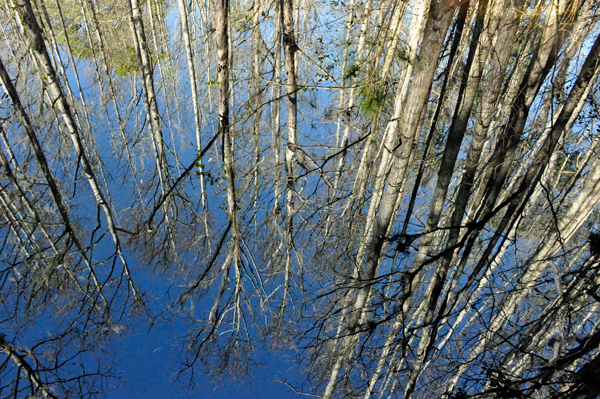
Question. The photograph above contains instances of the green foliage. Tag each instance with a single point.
(371, 95)
(126, 62)
(351, 71)
(112, 18)
(371, 98)
(210, 178)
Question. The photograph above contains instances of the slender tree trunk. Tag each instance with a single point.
(150, 101)
(48, 175)
(185, 32)
(573, 217)
(379, 216)
(257, 93)
(111, 88)
(290, 48)
(48, 75)
(223, 63)
(277, 111)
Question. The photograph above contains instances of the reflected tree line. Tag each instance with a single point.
(400, 194)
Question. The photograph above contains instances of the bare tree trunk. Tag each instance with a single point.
(48, 175)
(150, 102)
(290, 48)
(222, 46)
(257, 93)
(447, 166)
(573, 217)
(36, 44)
(277, 117)
(185, 31)
(111, 88)
(379, 216)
